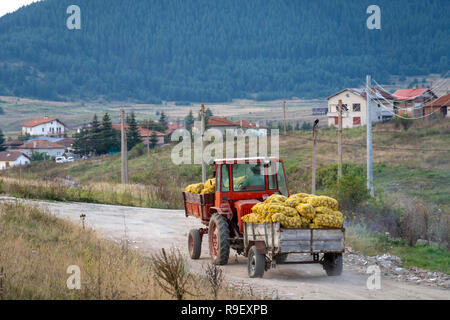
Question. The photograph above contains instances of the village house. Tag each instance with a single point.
(13, 158)
(222, 124)
(354, 105)
(52, 149)
(44, 126)
(252, 128)
(145, 134)
(438, 106)
(410, 102)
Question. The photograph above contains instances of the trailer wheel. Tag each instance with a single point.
(256, 263)
(219, 242)
(333, 264)
(195, 244)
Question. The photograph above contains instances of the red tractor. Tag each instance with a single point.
(240, 184)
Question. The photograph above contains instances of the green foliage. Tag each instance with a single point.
(153, 140)
(189, 121)
(215, 50)
(25, 137)
(405, 121)
(39, 156)
(163, 121)
(133, 136)
(350, 190)
(2, 141)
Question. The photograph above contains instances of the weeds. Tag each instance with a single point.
(215, 277)
(170, 273)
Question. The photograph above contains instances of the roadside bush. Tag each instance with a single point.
(404, 121)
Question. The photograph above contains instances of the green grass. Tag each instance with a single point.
(421, 256)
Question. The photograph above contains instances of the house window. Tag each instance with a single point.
(336, 120)
(356, 120)
(42, 129)
(356, 107)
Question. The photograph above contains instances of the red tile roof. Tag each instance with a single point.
(38, 121)
(443, 101)
(409, 94)
(42, 144)
(215, 121)
(249, 125)
(142, 131)
(11, 155)
(377, 94)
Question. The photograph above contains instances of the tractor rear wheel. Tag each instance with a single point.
(256, 263)
(195, 244)
(219, 239)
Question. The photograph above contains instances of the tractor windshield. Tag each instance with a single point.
(249, 177)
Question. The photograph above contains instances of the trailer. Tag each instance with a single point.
(268, 244)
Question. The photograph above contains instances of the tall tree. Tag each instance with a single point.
(163, 121)
(189, 120)
(95, 136)
(153, 140)
(82, 144)
(110, 137)
(133, 137)
(2, 141)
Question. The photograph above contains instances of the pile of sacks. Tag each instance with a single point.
(202, 188)
(300, 210)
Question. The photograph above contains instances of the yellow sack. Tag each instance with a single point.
(276, 198)
(307, 211)
(210, 183)
(289, 222)
(328, 221)
(276, 208)
(258, 208)
(323, 201)
(325, 210)
(250, 218)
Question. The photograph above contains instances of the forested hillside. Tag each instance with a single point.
(211, 50)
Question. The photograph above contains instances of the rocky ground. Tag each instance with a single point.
(390, 268)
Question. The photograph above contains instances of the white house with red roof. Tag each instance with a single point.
(354, 104)
(44, 127)
(50, 148)
(13, 158)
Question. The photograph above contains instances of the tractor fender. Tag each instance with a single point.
(260, 247)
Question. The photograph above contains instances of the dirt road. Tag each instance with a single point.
(152, 229)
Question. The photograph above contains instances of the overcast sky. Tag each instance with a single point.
(8, 6)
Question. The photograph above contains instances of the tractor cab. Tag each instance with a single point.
(243, 182)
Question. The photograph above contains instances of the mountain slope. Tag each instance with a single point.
(209, 50)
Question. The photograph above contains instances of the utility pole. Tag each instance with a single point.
(203, 143)
(369, 137)
(313, 182)
(284, 112)
(340, 140)
(124, 151)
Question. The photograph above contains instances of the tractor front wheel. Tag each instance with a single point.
(195, 244)
(219, 242)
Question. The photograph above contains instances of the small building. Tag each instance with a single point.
(144, 134)
(171, 128)
(13, 145)
(13, 158)
(44, 126)
(52, 149)
(410, 102)
(252, 128)
(354, 104)
(440, 105)
(319, 111)
(222, 124)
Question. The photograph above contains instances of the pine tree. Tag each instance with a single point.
(163, 121)
(133, 137)
(2, 141)
(153, 140)
(110, 137)
(95, 136)
(189, 121)
(81, 144)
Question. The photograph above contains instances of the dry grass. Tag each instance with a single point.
(36, 249)
(99, 192)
